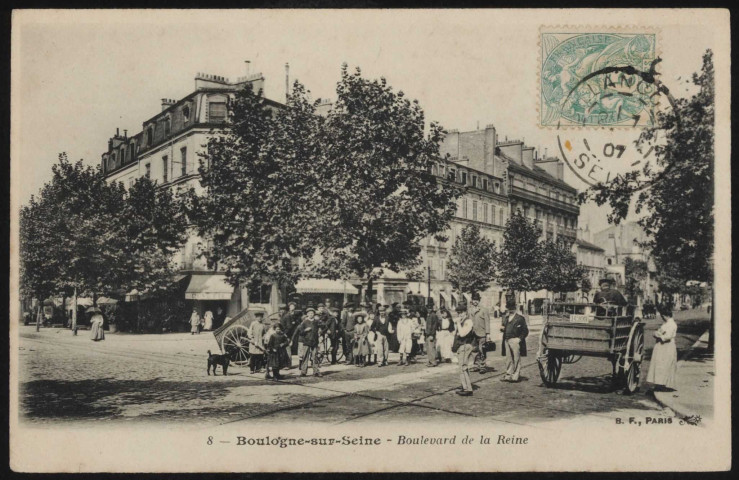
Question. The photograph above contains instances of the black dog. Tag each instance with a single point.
(215, 360)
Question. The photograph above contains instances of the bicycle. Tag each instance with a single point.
(324, 350)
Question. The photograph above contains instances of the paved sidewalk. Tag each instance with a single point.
(693, 396)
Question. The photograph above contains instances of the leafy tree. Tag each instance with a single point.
(635, 272)
(83, 233)
(377, 159)
(586, 285)
(66, 234)
(472, 261)
(560, 271)
(261, 200)
(679, 204)
(520, 258)
(350, 194)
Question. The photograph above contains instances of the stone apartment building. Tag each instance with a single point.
(590, 256)
(167, 150)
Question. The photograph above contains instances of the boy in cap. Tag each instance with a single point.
(307, 336)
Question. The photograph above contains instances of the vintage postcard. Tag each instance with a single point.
(370, 240)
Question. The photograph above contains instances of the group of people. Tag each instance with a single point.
(198, 323)
(367, 335)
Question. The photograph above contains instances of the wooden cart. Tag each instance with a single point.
(574, 330)
(233, 335)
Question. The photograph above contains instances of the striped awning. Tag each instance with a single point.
(323, 285)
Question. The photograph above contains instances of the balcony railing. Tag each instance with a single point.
(544, 200)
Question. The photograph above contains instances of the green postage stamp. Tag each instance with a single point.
(596, 79)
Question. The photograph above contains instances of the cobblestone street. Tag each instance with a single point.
(162, 378)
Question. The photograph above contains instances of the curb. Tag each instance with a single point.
(679, 412)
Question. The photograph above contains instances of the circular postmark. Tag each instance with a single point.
(598, 160)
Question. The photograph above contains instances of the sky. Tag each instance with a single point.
(79, 75)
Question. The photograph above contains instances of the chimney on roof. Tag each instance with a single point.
(117, 132)
(248, 66)
(166, 103)
(125, 133)
(287, 80)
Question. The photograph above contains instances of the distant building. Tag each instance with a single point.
(591, 257)
(621, 242)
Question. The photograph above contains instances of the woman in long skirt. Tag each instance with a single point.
(445, 336)
(362, 349)
(663, 365)
(277, 356)
(96, 326)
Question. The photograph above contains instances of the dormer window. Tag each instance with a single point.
(149, 136)
(167, 126)
(464, 178)
(186, 113)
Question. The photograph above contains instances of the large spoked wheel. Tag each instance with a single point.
(235, 343)
(632, 365)
(550, 365)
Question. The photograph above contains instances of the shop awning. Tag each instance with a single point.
(322, 285)
(107, 301)
(447, 299)
(81, 302)
(209, 287)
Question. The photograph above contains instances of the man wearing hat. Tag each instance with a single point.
(331, 328)
(481, 328)
(608, 295)
(348, 322)
(289, 321)
(307, 336)
(515, 331)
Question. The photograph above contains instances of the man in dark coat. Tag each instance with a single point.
(609, 295)
(481, 328)
(289, 321)
(515, 331)
(347, 327)
(393, 317)
(332, 328)
(433, 325)
(307, 336)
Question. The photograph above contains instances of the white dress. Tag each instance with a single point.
(208, 320)
(663, 365)
(405, 339)
(445, 338)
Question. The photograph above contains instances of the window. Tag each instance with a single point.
(167, 126)
(464, 178)
(502, 216)
(186, 113)
(485, 213)
(492, 214)
(474, 181)
(452, 175)
(485, 184)
(216, 112)
(260, 294)
(130, 182)
(183, 160)
(464, 208)
(148, 170)
(149, 136)
(165, 169)
(497, 187)
(474, 210)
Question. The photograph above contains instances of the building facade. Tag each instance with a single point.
(621, 242)
(167, 149)
(592, 258)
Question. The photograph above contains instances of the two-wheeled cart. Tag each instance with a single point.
(233, 335)
(574, 330)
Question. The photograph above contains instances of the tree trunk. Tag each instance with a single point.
(74, 313)
(368, 293)
(712, 325)
(38, 317)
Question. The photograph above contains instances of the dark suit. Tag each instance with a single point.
(515, 332)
